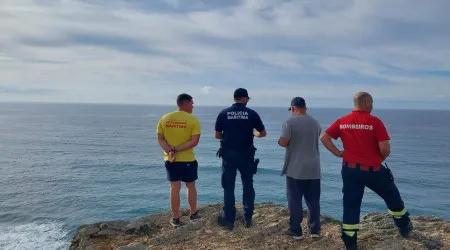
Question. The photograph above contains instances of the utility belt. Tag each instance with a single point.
(251, 153)
(362, 167)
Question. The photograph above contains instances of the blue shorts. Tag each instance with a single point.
(182, 171)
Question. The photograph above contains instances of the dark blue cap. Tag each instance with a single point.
(298, 102)
(240, 92)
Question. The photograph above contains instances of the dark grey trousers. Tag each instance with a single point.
(295, 190)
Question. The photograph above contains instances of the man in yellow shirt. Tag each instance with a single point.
(178, 134)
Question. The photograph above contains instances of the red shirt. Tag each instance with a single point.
(360, 133)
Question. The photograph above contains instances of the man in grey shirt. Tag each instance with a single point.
(300, 136)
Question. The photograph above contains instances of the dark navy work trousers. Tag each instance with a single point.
(233, 161)
(382, 183)
(296, 190)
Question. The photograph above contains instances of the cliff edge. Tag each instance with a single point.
(269, 223)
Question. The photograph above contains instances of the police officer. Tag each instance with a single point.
(236, 127)
(366, 145)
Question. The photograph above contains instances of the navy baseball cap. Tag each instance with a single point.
(298, 102)
(240, 92)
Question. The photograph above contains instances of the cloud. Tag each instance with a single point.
(206, 89)
(11, 90)
(281, 59)
(173, 3)
(137, 51)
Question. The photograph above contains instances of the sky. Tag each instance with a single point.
(149, 51)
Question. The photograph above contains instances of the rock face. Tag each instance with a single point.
(269, 222)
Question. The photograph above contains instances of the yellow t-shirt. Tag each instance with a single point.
(178, 128)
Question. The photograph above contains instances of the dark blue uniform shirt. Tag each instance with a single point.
(237, 123)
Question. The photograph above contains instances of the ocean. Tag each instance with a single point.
(64, 165)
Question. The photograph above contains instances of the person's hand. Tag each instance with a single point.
(340, 154)
(172, 156)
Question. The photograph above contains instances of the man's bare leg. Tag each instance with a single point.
(175, 187)
(192, 196)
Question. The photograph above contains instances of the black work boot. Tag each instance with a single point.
(247, 221)
(350, 242)
(404, 225)
(225, 223)
(406, 231)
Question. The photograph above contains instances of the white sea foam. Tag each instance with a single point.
(40, 235)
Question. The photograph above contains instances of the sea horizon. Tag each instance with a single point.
(213, 106)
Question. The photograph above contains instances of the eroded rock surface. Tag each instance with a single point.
(269, 223)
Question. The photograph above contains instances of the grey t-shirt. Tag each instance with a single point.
(302, 157)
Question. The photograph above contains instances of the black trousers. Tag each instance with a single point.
(233, 161)
(296, 190)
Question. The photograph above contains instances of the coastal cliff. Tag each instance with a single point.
(269, 223)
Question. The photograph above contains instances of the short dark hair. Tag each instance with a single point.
(182, 98)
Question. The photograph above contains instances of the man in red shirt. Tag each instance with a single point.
(366, 145)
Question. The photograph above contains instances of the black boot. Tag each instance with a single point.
(406, 231)
(350, 241)
(225, 223)
(404, 225)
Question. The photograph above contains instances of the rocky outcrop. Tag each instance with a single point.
(270, 221)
